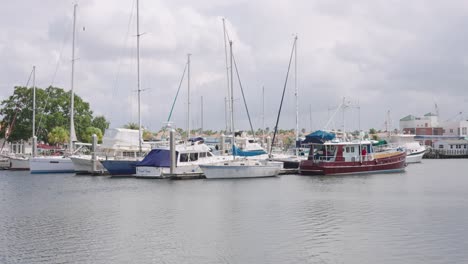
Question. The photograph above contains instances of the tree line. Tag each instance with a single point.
(52, 116)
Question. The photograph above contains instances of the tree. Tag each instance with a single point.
(147, 135)
(101, 123)
(131, 125)
(58, 135)
(372, 131)
(52, 110)
(87, 136)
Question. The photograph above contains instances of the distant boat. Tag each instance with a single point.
(334, 157)
(4, 163)
(414, 150)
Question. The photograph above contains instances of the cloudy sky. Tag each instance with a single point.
(387, 55)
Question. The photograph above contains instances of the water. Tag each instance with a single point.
(420, 216)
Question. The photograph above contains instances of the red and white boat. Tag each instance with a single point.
(335, 158)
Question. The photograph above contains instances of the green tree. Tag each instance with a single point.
(52, 110)
(87, 136)
(101, 123)
(58, 135)
(147, 135)
(131, 125)
(372, 131)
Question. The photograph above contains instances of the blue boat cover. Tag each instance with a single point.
(238, 152)
(319, 136)
(157, 158)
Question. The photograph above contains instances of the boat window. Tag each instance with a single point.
(193, 156)
(251, 141)
(202, 154)
(183, 157)
(128, 154)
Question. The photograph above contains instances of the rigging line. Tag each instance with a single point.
(177, 94)
(243, 96)
(282, 97)
(119, 63)
(54, 76)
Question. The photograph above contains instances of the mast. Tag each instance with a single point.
(34, 140)
(34, 103)
(232, 104)
(202, 115)
(188, 96)
(138, 78)
(297, 95)
(72, 95)
(263, 114)
(228, 102)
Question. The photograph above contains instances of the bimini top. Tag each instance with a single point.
(156, 158)
(319, 136)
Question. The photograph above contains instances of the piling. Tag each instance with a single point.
(93, 150)
(172, 150)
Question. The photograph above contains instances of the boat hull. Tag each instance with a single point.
(415, 157)
(241, 171)
(51, 165)
(125, 168)
(19, 163)
(84, 165)
(395, 163)
(4, 163)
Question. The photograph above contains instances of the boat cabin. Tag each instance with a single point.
(341, 151)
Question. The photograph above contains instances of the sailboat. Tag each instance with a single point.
(127, 167)
(292, 161)
(60, 164)
(240, 168)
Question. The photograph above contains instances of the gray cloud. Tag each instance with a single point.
(388, 55)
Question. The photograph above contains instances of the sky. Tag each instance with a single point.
(385, 57)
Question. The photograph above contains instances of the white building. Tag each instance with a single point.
(456, 128)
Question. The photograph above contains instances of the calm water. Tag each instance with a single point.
(420, 216)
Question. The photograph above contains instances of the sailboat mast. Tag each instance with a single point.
(138, 77)
(188, 96)
(263, 113)
(228, 102)
(202, 115)
(34, 103)
(72, 95)
(232, 101)
(296, 94)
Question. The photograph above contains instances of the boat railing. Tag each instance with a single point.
(387, 147)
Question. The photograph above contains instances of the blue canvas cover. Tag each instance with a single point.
(236, 151)
(157, 158)
(319, 136)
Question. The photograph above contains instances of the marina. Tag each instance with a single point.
(137, 131)
(418, 216)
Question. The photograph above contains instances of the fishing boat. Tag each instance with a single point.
(335, 157)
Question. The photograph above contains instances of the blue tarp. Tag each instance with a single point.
(236, 151)
(319, 136)
(157, 158)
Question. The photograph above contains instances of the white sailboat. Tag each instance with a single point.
(240, 168)
(60, 164)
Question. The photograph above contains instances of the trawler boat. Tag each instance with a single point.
(332, 158)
